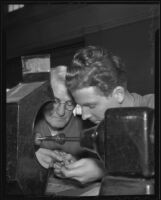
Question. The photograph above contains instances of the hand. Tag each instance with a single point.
(47, 157)
(67, 159)
(84, 170)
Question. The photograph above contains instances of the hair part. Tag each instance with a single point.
(95, 66)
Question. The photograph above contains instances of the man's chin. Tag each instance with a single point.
(57, 122)
(95, 121)
(58, 125)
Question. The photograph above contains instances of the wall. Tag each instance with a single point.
(127, 30)
(36, 29)
(135, 44)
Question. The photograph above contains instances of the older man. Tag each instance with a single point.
(58, 118)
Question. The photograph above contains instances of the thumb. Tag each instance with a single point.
(75, 164)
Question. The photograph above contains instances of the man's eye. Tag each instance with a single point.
(92, 106)
(70, 103)
(56, 100)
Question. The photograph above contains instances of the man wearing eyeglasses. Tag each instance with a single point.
(58, 118)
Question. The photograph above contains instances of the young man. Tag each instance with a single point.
(97, 81)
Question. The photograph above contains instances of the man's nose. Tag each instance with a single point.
(61, 109)
(85, 114)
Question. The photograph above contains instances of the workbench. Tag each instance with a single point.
(67, 187)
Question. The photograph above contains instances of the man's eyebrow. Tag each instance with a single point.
(57, 98)
(65, 101)
(88, 104)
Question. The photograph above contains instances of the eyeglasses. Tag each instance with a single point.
(69, 105)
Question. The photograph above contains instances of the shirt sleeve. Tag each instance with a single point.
(149, 100)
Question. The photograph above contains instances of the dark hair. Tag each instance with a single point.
(95, 66)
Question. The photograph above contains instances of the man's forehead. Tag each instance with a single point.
(87, 95)
(89, 91)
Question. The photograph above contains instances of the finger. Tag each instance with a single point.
(45, 165)
(50, 153)
(74, 165)
(72, 161)
(62, 153)
(44, 162)
(66, 163)
(44, 157)
(57, 171)
(47, 159)
(57, 165)
(68, 156)
(58, 174)
(76, 174)
(56, 152)
(68, 173)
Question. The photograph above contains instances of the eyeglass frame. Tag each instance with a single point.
(53, 100)
(57, 102)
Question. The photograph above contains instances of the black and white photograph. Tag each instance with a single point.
(80, 86)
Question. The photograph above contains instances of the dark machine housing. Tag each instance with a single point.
(129, 151)
(24, 175)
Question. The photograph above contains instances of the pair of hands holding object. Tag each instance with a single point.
(66, 165)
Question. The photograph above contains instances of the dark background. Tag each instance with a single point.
(127, 30)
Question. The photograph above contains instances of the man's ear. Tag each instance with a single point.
(119, 94)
